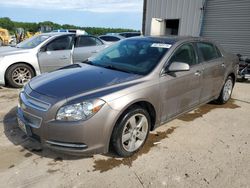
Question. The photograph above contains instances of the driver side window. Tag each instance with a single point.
(61, 43)
(184, 54)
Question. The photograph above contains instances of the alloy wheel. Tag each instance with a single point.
(227, 90)
(21, 75)
(135, 132)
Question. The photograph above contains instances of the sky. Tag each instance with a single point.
(86, 13)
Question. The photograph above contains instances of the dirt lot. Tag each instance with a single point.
(209, 147)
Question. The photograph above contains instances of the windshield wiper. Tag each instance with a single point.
(88, 62)
(112, 67)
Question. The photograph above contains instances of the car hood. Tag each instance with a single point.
(8, 50)
(78, 79)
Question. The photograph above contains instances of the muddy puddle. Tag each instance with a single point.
(104, 165)
(199, 112)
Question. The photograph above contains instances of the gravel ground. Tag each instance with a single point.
(208, 147)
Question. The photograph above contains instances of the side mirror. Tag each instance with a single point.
(43, 49)
(178, 66)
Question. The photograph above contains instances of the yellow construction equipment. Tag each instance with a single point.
(4, 37)
(21, 34)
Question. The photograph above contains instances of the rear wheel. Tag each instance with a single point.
(19, 74)
(226, 91)
(131, 131)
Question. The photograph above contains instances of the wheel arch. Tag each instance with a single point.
(145, 105)
(142, 103)
(233, 77)
(21, 62)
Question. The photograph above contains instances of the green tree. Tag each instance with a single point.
(6, 23)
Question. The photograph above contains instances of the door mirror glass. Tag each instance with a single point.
(178, 66)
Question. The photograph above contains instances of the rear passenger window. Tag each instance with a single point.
(185, 54)
(208, 51)
(88, 41)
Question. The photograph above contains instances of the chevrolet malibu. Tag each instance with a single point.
(115, 98)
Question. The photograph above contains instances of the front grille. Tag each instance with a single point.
(26, 100)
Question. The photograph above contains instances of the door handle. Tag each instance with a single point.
(63, 57)
(223, 65)
(95, 51)
(197, 73)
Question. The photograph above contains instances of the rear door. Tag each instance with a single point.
(181, 91)
(214, 70)
(85, 47)
(56, 54)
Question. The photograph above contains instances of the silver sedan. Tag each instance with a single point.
(44, 53)
(115, 98)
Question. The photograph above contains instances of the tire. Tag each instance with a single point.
(19, 74)
(127, 139)
(1, 42)
(226, 91)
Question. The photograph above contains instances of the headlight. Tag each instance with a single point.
(79, 111)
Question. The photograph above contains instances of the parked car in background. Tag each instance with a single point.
(126, 34)
(244, 68)
(130, 34)
(76, 31)
(116, 97)
(44, 53)
(111, 38)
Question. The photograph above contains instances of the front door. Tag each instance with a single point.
(56, 54)
(180, 91)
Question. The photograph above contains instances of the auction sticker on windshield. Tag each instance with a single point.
(161, 45)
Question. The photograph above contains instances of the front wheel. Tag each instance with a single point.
(19, 74)
(131, 131)
(226, 91)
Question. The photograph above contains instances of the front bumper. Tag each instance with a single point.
(82, 137)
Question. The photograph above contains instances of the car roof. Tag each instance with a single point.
(56, 33)
(65, 33)
(117, 36)
(166, 39)
(130, 32)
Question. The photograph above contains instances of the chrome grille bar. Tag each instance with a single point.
(33, 103)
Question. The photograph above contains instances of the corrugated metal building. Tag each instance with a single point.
(225, 21)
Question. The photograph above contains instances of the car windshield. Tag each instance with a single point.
(33, 41)
(137, 56)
